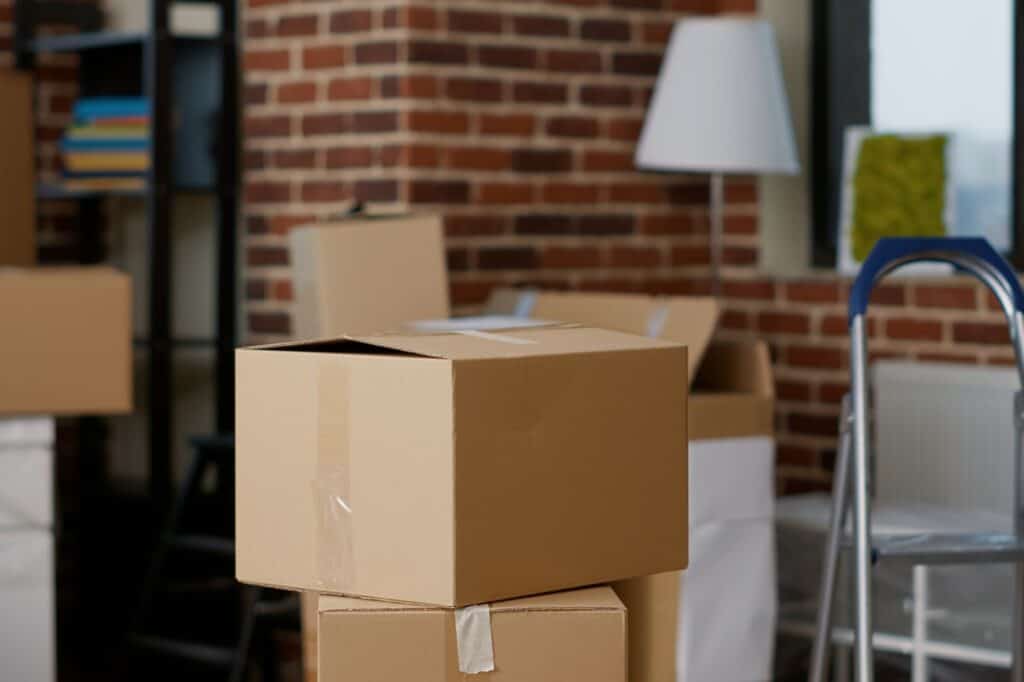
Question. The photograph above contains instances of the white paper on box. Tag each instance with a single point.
(27, 431)
(26, 487)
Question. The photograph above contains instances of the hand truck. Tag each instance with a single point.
(976, 257)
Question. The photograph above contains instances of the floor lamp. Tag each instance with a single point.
(719, 107)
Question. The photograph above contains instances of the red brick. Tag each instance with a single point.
(540, 92)
(795, 391)
(888, 294)
(294, 158)
(568, 193)
(473, 225)
(783, 323)
(267, 192)
(266, 255)
(739, 255)
(990, 333)
(462, 21)
(458, 260)
(507, 124)
(813, 424)
(812, 292)
(691, 255)
(736, 320)
(606, 161)
(269, 322)
(571, 257)
(605, 30)
(468, 293)
(657, 32)
(300, 25)
(606, 95)
(572, 126)
(638, 4)
(447, 122)
(267, 126)
(963, 298)
(910, 329)
(756, 289)
(507, 258)
(266, 60)
(436, 52)
(255, 290)
(525, 160)
(834, 325)
(573, 61)
(256, 93)
(351, 21)
(417, 17)
(439, 192)
(349, 157)
(796, 455)
(326, 124)
(817, 357)
(325, 191)
(295, 93)
(637, 63)
(375, 121)
(541, 26)
(415, 87)
(283, 224)
(380, 190)
(383, 52)
(634, 257)
(254, 160)
(832, 393)
(505, 193)
(636, 192)
(324, 57)
(958, 358)
(667, 224)
(423, 156)
(625, 129)
(604, 224)
(474, 89)
(479, 158)
(540, 223)
(282, 290)
(350, 88)
(740, 192)
(507, 56)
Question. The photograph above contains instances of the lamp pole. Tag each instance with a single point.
(717, 210)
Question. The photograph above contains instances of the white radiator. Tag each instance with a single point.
(944, 434)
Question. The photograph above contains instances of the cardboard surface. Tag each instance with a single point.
(492, 463)
(18, 170)
(715, 631)
(578, 635)
(367, 275)
(66, 342)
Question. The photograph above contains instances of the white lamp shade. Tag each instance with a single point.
(720, 102)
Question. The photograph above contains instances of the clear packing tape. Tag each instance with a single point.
(335, 543)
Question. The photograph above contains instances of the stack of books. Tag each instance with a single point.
(107, 145)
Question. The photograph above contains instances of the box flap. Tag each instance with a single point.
(589, 599)
(688, 320)
(736, 367)
(480, 345)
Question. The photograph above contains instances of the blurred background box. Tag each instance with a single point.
(17, 168)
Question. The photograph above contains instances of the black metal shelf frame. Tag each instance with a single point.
(158, 53)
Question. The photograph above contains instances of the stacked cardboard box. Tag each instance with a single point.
(435, 480)
(716, 621)
(65, 349)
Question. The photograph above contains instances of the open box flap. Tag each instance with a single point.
(552, 339)
(689, 320)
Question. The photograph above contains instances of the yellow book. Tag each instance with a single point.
(109, 162)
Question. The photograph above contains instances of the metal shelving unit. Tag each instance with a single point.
(113, 63)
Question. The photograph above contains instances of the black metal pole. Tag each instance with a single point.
(227, 239)
(159, 207)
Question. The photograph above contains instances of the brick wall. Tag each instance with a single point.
(516, 120)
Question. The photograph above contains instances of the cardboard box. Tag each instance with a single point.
(460, 468)
(367, 275)
(18, 170)
(28, 629)
(26, 473)
(66, 346)
(577, 635)
(716, 621)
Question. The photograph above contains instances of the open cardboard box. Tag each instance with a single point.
(722, 628)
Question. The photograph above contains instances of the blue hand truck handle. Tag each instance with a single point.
(973, 254)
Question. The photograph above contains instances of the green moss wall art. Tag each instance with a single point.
(896, 185)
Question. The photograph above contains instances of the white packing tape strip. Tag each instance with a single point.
(524, 306)
(656, 324)
(501, 338)
(473, 637)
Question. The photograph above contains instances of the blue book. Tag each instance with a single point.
(89, 108)
(101, 144)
